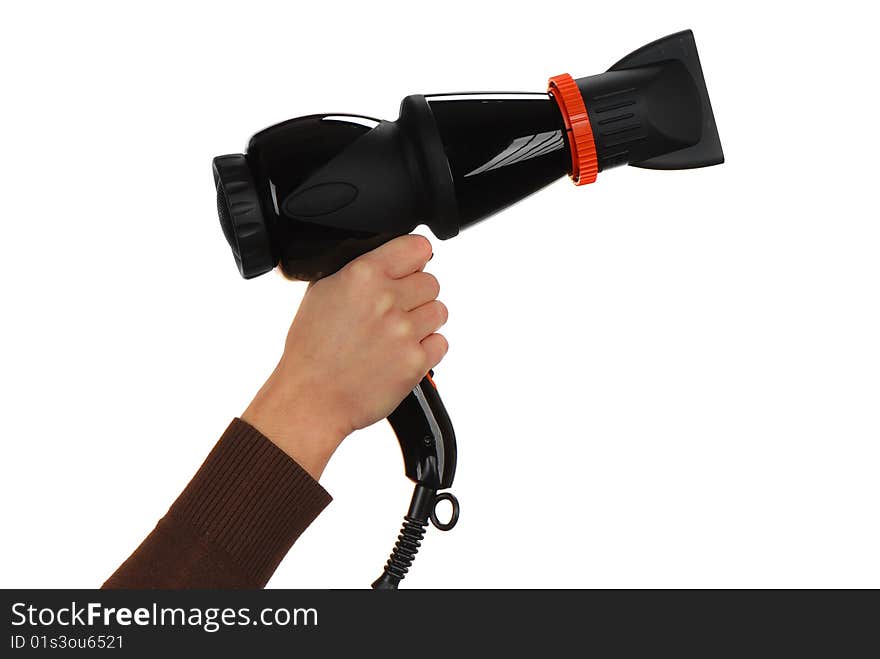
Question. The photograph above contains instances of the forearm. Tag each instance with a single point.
(232, 524)
(291, 411)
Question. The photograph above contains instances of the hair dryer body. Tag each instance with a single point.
(315, 192)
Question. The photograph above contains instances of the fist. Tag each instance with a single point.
(361, 340)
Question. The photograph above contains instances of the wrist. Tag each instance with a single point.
(293, 418)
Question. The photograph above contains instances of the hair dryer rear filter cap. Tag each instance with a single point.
(584, 162)
(241, 218)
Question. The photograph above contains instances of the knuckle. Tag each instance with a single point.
(361, 271)
(400, 325)
(384, 302)
(441, 311)
(436, 349)
(433, 284)
(443, 348)
(420, 244)
(415, 361)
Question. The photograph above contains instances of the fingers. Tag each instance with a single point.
(435, 347)
(428, 318)
(416, 289)
(402, 256)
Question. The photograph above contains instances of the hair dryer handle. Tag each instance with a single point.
(427, 439)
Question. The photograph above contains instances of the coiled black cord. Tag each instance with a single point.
(403, 554)
(421, 508)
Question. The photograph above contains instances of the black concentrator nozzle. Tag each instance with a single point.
(652, 109)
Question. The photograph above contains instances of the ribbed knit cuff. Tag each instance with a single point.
(251, 499)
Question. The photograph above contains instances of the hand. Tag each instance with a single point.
(361, 340)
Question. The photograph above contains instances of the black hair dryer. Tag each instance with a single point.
(312, 193)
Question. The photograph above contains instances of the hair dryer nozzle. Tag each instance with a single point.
(652, 109)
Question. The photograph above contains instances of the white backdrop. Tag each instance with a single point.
(662, 379)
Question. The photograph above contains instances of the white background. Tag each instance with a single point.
(663, 379)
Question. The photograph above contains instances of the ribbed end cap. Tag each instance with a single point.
(241, 218)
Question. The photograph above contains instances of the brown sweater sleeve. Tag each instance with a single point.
(232, 524)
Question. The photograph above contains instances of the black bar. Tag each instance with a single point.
(418, 623)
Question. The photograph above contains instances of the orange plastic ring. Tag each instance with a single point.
(584, 162)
